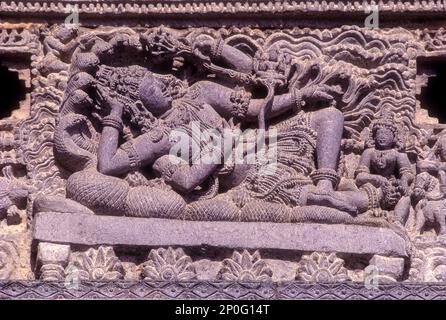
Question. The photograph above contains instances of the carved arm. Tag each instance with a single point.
(58, 48)
(111, 160)
(362, 173)
(220, 53)
(405, 171)
(181, 175)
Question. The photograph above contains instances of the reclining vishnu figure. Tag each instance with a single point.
(308, 147)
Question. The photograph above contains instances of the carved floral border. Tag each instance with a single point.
(220, 290)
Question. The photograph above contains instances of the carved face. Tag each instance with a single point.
(418, 193)
(86, 61)
(384, 138)
(82, 98)
(156, 92)
(66, 33)
(102, 48)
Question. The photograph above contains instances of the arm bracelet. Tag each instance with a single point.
(113, 121)
(297, 99)
(217, 49)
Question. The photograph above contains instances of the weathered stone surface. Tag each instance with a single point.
(94, 230)
(388, 267)
(89, 119)
(51, 252)
(52, 258)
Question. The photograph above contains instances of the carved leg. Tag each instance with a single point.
(420, 220)
(329, 125)
(439, 216)
(402, 209)
(52, 260)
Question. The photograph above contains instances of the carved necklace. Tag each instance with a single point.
(382, 157)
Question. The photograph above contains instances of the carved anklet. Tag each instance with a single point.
(325, 174)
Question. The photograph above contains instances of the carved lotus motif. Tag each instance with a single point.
(168, 265)
(100, 264)
(245, 267)
(322, 267)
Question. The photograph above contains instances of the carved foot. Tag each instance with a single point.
(330, 199)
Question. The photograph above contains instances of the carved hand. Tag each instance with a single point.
(404, 187)
(108, 99)
(380, 180)
(318, 93)
(203, 49)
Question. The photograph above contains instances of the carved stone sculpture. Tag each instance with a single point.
(321, 267)
(168, 265)
(195, 153)
(245, 267)
(384, 172)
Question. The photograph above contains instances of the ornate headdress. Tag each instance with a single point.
(385, 121)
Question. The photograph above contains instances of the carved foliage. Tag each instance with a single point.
(321, 267)
(245, 267)
(168, 265)
(96, 264)
(429, 265)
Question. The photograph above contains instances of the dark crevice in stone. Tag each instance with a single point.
(432, 97)
(12, 93)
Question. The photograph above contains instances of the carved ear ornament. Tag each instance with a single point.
(175, 88)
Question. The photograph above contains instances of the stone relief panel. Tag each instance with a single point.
(315, 82)
(304, 130)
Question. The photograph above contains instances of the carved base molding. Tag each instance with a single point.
(219, 290)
